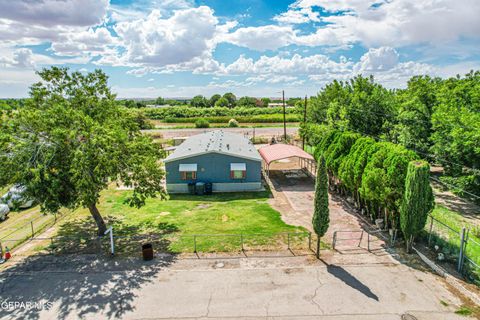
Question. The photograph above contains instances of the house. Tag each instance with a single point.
(229, 161)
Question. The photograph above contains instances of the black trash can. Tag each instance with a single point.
(208, 188)
(200, 188)
(147, 251)
(191, 187)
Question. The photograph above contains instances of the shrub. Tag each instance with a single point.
(232, 123)
(202, 123)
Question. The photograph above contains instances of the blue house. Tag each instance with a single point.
(229, 161)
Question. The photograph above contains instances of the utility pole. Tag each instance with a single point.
(284, 118)
(304, 121)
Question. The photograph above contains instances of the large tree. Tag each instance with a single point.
(321, 219)
(418, 201)
(71, 140)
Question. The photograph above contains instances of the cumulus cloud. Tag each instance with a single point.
(401, 22)
(270, 37)
(91, 42)
(157, 41)
(303, 15)
(21, 58)
(50, 13)
(378, 59)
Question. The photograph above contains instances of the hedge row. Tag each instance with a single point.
(192, 112)
(372, 172)
(263, 118)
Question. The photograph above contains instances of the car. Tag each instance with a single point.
(4, 210)
(15, 198)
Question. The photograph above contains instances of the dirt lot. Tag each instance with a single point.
(265, 132)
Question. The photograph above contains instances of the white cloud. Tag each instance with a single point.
(157, 41)
(21, 58)
(50, 13)
(401, 22)
(380, 59)
(91, 42)
(270, 37)
(303, 15)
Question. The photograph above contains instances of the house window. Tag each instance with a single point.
(189, 175)
(238, 170)
(188, 171)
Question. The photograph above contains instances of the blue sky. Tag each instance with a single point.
(180, 48)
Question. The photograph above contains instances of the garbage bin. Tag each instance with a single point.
(200, 188)
(208, 188)
(191, 187)
(147, 251)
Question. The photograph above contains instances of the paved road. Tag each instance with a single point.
(253, 288)
(266, 132)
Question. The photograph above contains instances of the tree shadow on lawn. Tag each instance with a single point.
(223, 196)
(83, 284)
(78, 236)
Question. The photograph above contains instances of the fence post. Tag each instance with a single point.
(288, 241)
(430, 233)
(461, 254)
(361, 238)
(368, 242)
(33, 232)
(195, 244)
(55, 215)
(241, 241)
(334, 239)
(310, 241)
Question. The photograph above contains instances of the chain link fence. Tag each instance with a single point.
(131, 245)
(29, 230)
(458, 247)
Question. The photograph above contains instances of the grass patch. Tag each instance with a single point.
(464, 311)
(448, 240)
(172, 224)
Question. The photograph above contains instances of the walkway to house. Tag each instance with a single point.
(294, 193)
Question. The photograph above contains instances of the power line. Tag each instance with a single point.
(448, 185)
(456, 187)
(477, 171)
(409, 120)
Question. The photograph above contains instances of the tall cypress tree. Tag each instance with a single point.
(418, 201)
(321, 217)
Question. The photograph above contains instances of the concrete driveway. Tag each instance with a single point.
(245, 288)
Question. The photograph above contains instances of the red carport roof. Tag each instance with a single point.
(281, 151)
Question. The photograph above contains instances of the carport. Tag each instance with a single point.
(280, 151)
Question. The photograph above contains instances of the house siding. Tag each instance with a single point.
(215, 168)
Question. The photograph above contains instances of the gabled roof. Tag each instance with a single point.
(215, 142)
(281, 151)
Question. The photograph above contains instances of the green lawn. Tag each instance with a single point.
(217, 220)
(449, 241)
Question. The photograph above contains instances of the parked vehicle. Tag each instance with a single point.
(4, 210)
(15, 198)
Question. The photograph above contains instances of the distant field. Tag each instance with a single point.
(159, 124)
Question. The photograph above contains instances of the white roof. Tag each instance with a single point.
(238, 166)
(187, 167)
(216, 141)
